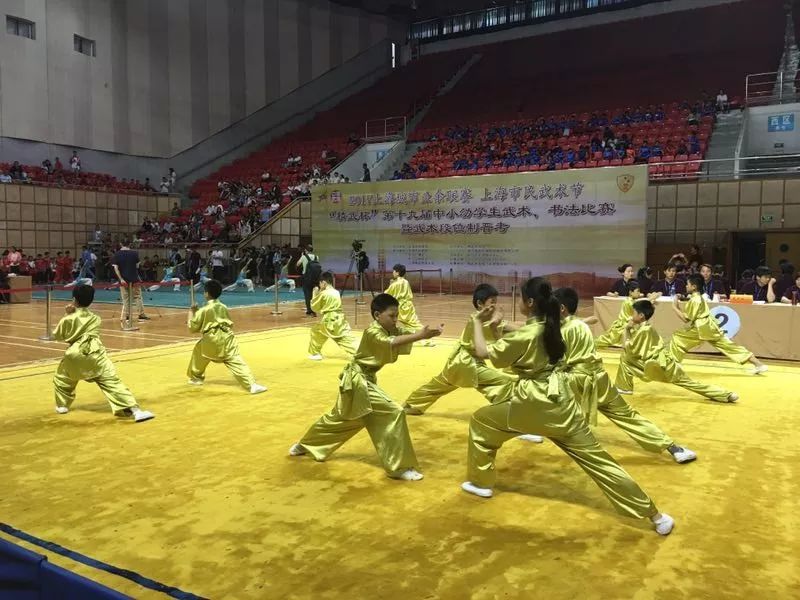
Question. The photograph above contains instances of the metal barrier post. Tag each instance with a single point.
(191, 293)
(360, 289)
(441, 283)
(451, 281)
(421, 277)
(277, 311)
(382, 286)
(355, 314)
(513, 302)
(48, 301)
(129, 326)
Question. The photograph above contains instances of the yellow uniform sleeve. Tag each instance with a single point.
(509, 349)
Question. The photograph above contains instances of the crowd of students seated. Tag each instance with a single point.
(74, 175)
(758, 283)
(639, 135)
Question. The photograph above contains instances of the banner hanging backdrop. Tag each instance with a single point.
(575, 226)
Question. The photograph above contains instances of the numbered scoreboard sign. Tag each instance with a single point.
(727, 319)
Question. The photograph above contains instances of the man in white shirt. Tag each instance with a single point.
(164, 188)
(217, 264)
(75, 162)
(722, 101)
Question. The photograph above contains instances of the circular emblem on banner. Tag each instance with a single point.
(727, 319)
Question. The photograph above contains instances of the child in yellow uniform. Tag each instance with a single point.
(218, 343)
(542, 403)
(86, 359)
(462, 369)
(333, 325)
(590, 383)
(702, 327)
(401, 289)
(645, 356)
(613, 337)
(363, 404)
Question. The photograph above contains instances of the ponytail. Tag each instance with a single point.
(548, 308)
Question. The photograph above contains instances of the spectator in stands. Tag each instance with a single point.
(682, 149)
(644, 152)
(176, 210)
(164, 187)
(16, 171)
(58, 168)
(365, 177)
(47, 166)
(694, 144)
(75, 163)
(172, 176)
(722, 102)
(148, 187)
(656, 151)
(5, 177)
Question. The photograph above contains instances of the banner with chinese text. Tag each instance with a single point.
(575, 226)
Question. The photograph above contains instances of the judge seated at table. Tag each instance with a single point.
(670, 286)
(761, 289)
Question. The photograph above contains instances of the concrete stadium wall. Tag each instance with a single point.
(40, 219)
(167, 73)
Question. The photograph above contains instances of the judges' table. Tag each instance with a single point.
(767, 330)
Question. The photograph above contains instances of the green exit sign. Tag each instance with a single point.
(767, 218)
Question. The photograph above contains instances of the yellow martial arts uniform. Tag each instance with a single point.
(591, 386)
(462, 369)
(407, 315)
(362, 404)
(613, 337)
(218, 344)
(541, 403)
(86, 359)
(644, 356)
(702, 327)
(332, 324)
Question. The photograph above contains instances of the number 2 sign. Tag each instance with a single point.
(727, 319)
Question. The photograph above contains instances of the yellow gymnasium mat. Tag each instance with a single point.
(204, 499)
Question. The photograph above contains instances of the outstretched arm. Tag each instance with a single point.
(425, 333)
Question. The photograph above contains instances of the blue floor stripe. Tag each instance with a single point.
(141, 580)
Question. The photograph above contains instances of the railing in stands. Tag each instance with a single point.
(513, 15)
(762, 89)
(732, 168)
(390, 128)
(265, 227)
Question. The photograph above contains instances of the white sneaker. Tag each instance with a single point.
(153, 288)
(142, 415)
(315, 357)
(529, 437)
(664, 524)
(257, 388)
(195, 381)
(733, 397)
(760, 369)
(470, 488)
(684, 456)
(625, 392)
(296, 450)
(408, 475)
(62, 410)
